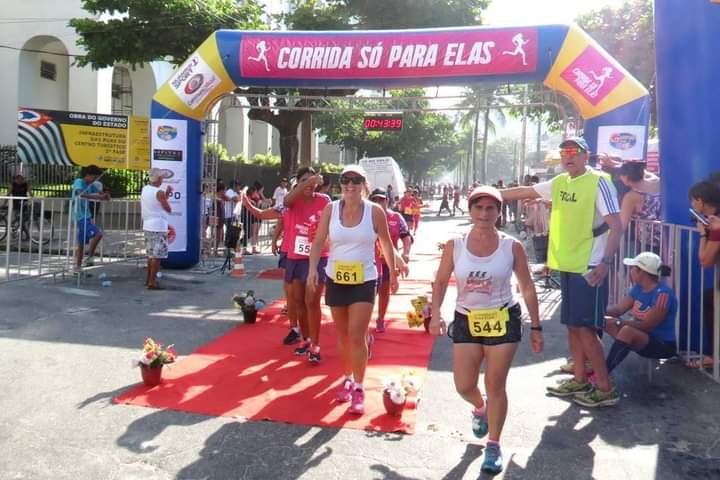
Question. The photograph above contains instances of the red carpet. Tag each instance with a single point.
(271, 274)
(248, 373)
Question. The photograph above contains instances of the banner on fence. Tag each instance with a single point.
(54, 137)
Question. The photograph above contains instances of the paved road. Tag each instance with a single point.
(66, 352)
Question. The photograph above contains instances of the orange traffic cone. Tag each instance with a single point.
(238, 270)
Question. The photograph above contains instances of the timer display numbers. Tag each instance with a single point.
(383, 123)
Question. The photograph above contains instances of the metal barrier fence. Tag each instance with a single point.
(697, 290)
(40, 237)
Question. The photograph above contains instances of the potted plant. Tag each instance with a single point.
(152, 360)
(249, 304)
(396, 391)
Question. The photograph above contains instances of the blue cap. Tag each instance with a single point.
(576, 141)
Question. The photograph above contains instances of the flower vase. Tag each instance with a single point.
(249, 316)
(392, 408)
(151, 376)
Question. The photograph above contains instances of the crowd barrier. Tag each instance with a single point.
(697, 322)
(39, 237)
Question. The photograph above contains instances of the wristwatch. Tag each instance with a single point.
(618, 323)
(538, 328)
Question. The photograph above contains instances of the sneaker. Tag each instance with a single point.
(370, 343)
(357, 401)
(597, 398)
(292, 337)
(88, 262)
(493, 462)
(480, 422)
(344, 393)
(570, 367)
(379, 326)
(314, 357)
(568, 388)
(303, 349)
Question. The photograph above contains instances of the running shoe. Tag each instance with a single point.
(597, 398)
(357, 401)
(570, 367)
(314, 357)
(493, 462)
(292, 337)
(88, 262)
(370, 343)
(480, 422)
(568, 388)
(303, 349)
(344, 393)
(379, 326)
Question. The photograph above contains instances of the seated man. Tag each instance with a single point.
(651, 332)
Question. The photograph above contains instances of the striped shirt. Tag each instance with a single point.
(606, 203)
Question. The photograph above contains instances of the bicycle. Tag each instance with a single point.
(29, 228)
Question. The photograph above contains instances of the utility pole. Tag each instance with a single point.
(523, 144)
(483, 170)
(473, 144)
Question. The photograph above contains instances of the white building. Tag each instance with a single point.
(37, 49)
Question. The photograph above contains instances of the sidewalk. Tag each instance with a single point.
(66, 352)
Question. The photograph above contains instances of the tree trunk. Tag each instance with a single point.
(483, 170)
(287, 123)
(306, 142)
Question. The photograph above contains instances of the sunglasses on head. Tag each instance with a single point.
(569, 151)
(355, 180)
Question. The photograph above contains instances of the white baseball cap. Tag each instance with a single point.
(354, 168)
(646, 261)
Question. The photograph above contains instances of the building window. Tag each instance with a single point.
(122, 95)
(48, 70)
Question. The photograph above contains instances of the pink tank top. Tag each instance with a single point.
(303, 219)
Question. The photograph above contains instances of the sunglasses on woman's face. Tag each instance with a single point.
(355, 180)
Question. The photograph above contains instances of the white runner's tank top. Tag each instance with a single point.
(484, 282)
(352, 244)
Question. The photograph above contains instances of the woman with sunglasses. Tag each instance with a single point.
(352, 225)
(487, 322)
(398, 232)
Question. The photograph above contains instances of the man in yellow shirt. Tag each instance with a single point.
(585, 233)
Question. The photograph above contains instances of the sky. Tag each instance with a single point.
(533, 12)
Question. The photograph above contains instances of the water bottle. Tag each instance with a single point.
(107, 283)
(158, 275)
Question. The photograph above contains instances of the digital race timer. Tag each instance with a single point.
(383, 123)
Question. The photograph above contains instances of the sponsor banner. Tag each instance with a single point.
(624, 141)
(587, 74)
(169, 153)
(194, 81)
(53, 137)
(453, 53)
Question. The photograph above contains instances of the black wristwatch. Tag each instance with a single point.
(538, 328)
(618, 323)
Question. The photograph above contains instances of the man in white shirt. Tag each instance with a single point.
(585, 233)
(231, 199)
(280, 192)
(155, 209)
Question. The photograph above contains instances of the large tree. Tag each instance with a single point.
(170, 30)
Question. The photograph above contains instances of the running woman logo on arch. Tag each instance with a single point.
(194, 81)
(592, 75)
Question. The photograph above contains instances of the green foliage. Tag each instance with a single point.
(239, 158)
(218, 149)
(427, 143)
(501, 158)
(266, 160)
(157, 29)
(324, 167)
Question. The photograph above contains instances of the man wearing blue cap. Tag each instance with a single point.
(584, 208)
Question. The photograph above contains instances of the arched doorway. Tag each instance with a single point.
(43, 73)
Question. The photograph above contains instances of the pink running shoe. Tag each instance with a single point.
(357, 403)
(344, 393)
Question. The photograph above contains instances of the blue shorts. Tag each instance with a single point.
(282, 261)
(409, 219)
(658, 348)
(582, 305)
(298, 269)
(86, 231)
